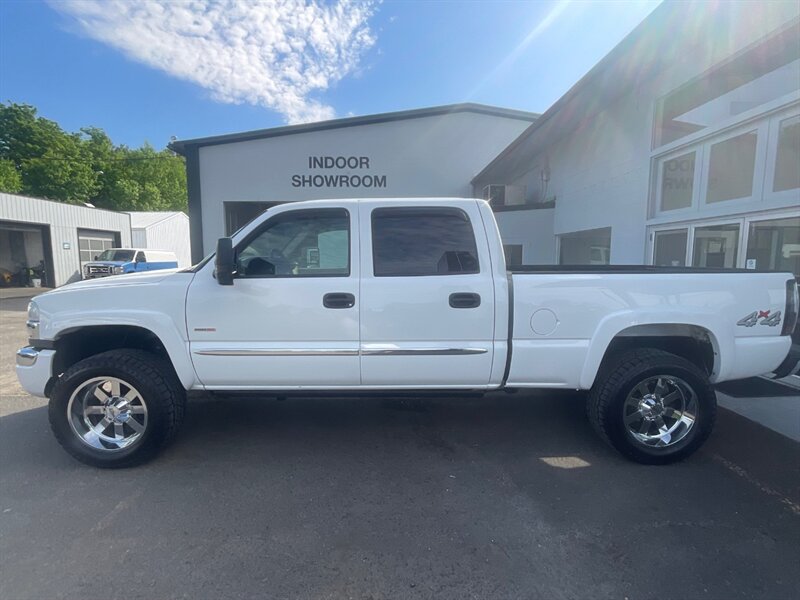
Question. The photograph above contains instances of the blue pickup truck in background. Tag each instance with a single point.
(116, 261)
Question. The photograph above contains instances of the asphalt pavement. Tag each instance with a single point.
(506, 496)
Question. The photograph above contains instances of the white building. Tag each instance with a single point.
(680, 147)
(162, 230)
(426, 152)
(54, 239)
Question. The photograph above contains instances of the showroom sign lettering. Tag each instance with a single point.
(350, 163)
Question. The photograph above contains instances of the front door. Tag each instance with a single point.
(291, 317)
(427, 297)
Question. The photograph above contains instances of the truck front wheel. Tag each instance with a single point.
(116, 409)
(652, 406)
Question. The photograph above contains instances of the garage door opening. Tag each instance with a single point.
(92, 244)
(26, 256)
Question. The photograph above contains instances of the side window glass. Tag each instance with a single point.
(140, 258)
(409, 242)
(302, 243)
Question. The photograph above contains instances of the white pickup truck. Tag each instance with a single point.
(378, 296)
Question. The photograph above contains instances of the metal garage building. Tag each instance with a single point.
(162, 230)
(51, 241)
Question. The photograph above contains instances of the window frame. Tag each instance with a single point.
(671, 229)
(761, 131)
(739, 223)
(699, 161)
(743, 221)
(431, 209)
(283, 215)
(767, 126)
(772, 156)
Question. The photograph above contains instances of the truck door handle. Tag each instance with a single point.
(338, 300)
(465, 300)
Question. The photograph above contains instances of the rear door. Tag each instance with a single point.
(427, 310)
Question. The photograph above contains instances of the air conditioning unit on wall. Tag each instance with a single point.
(504, 195)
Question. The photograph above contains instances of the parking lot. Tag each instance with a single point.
(506, 496)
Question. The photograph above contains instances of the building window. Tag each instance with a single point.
(787, 162)
(755, 163)
(513, 254)
(411, 242)
(677, 182)
(590, 247)
(774, 245)
(669, 248)
(765, 73)
(716, 246)
(731, 167)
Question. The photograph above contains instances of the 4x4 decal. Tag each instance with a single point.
(767, 318)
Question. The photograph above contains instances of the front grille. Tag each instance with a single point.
(93, 271)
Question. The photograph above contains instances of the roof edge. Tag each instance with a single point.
(577, 88)
(179, 146)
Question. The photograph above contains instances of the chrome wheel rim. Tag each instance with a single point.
(660, 411)
(107, 413)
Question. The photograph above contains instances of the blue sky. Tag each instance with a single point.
(149, 71)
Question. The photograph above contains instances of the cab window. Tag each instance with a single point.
(302, 243)
(412, 242)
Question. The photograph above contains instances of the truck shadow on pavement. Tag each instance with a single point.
(501, 496)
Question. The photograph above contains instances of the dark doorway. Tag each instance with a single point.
(26, 255)
(239, 214)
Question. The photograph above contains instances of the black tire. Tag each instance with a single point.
(622, 374)
(160, 391)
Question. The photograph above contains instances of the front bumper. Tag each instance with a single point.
(34, 369)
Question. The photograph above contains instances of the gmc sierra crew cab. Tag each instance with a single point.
(388, 295)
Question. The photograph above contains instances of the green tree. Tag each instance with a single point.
(10, 179)
(85, 166)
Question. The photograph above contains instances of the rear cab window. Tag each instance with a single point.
(422, 241)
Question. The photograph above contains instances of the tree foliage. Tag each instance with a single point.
(10, 179)
(38, 158)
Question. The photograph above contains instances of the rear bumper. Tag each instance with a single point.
(34, 369)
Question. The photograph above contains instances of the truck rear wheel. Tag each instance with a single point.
(652, 406)
(116, 409)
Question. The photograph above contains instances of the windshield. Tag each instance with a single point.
(116, 255)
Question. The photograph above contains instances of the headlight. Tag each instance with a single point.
(33, 317)
(116, 270)
(33, 311)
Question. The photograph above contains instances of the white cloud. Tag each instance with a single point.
(273, 54)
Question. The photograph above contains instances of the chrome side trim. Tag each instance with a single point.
(278, 352)
(422, 351)
(340, 352)
(26, 357)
